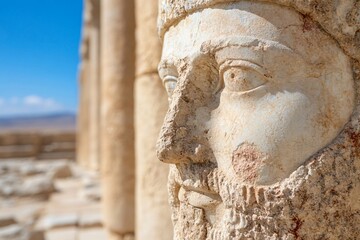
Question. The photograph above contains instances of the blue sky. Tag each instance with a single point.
(39, 42)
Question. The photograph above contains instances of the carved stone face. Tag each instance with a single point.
(255, 89)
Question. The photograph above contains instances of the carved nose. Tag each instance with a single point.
(182, 137)
(178, 141)
(173, 143)
(177, 145)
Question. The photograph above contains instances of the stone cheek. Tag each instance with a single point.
(247, 161)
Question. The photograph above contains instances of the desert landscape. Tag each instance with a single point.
(180, 119)
(43, 193)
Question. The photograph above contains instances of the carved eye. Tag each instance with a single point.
(242, 79)
(170, 84)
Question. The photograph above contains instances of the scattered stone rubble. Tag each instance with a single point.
(49, 200)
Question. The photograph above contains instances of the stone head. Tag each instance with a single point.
(255, 89)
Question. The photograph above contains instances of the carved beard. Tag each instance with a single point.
(317, 201)
(241, 204)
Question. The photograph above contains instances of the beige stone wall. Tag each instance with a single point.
(152, 208)
(117, 120)
(37, 145)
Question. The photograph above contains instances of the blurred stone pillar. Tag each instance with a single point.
(153, 217)
(117, 155)
(80, 130)
(82, 117)
(94, 85)
(82, 139)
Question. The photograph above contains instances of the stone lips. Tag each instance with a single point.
(340, 19)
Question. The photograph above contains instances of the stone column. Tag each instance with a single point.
(80, 115)
(83, 112)
(94, 85)
(152, 209)
(118, 74)
(82, 118)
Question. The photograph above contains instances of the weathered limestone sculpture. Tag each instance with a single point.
(263, 128)
(117, 120)
(152, 209)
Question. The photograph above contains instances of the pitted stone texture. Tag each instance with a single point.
(246, 162)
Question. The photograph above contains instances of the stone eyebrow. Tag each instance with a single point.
(254, 50)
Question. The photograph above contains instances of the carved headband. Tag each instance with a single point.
(341, 19)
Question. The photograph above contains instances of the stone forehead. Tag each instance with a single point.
(340, 19)
(171, 11)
